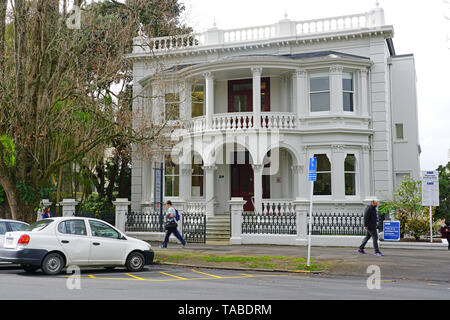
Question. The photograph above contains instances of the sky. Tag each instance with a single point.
(420, 27)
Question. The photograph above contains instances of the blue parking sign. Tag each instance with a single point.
(312, 175)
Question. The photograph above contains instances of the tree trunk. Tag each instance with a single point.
(3, 5)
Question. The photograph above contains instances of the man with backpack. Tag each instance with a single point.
(172, 216)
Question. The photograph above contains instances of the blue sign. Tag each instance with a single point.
(391, 230)
(312, 175)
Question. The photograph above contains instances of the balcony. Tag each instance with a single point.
(284, 29)
(244, 121)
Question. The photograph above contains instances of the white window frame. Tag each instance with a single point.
(173, 175)
(353, 73)
(327, 152)
(356, 172)
(310, 73)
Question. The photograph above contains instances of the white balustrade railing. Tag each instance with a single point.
(232, 121)
(355, 21)
(275, 120)
(277, 206)
(195, 207)
(197, 124)
(298, 28)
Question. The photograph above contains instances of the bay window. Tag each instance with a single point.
(319, 92)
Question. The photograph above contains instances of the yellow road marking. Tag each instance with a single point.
(432, 284)
(176, 278)
(171, 275)
(207, 274)
(130, 275)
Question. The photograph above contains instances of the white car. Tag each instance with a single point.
(10, 225)
(55, 243)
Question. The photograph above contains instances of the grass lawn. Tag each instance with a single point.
(225, 260)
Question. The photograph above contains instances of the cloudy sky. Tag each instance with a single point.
(420, 27)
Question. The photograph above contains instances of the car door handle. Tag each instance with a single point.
(96, 243)
(65, 241)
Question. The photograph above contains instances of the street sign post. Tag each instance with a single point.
(391, 230)
(158, 195)
(312, 176)
(430, 194)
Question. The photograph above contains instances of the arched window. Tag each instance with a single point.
(322, 186)
(350, 175)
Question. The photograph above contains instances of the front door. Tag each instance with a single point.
(242, 184)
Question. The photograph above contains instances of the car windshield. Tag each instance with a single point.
(38, 225)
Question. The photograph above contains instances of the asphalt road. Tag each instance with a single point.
(168, 282)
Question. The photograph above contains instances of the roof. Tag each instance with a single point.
(296, 56)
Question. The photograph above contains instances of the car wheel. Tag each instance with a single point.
(29, 268)
(53, 264)
(135, 262)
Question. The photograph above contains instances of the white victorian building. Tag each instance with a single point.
(254, 104)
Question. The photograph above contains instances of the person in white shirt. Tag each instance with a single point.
(171, 226)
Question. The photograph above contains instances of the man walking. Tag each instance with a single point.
(171, 225)
(370, 225)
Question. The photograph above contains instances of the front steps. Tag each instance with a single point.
(218, 229)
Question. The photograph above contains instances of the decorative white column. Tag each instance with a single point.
(209, 98)
(256, 72)
(336, 93)
(186, 100)
(185, 181)
(337, 172)
(297, 171)
(257, 186)
(146, 182)
(209, 189)
(300, 93)
(304, 184)
(121, 213)
(236, 210)
(158, 107)
(364, 93)
(301, 211)
(68, 206)
(364, 169)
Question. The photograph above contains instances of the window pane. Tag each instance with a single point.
(320, 101)
(323, 164)
(172, 97)
(75, 227)
(243, 86)
(350, 184)
(17, 226)
(348, 101)
(173, 111)
(350, 163)
(240, 103)
(322, 186)
(2, 228)
(399, 131)
(197, 110)
(197, 186)
(100, 229)
(347, 81)
(319, 82)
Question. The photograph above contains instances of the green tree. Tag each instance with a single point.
(407, 204)
(55, 82)
(443, 211)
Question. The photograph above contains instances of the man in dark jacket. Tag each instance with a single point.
(370, 225)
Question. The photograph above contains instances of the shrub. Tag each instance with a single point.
(418, 226)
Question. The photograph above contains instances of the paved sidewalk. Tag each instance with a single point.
(428, 265)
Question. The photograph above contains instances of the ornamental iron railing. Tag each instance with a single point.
(150, 221)
(338, 224)
(269, 223)
(194, 227)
